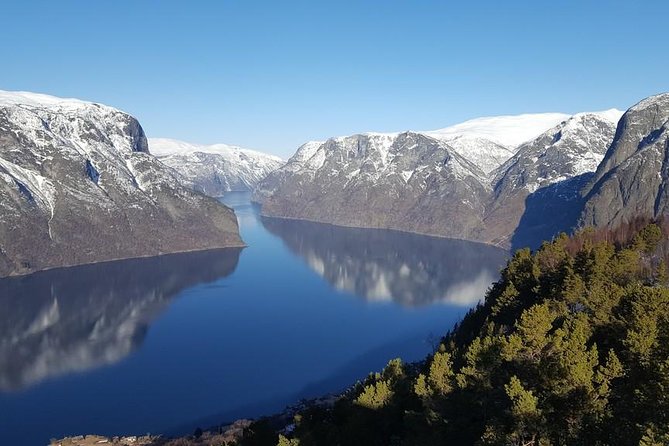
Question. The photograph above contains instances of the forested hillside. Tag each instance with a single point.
(570, 347)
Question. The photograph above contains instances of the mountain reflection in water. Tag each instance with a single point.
(74, 319)
(378, 265)
(171, 343)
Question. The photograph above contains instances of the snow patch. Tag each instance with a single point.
(509, 131)
(162, 147)
(612, 115)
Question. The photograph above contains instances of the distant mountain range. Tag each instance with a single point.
(509, 181)
(215, 169)
(78, 185)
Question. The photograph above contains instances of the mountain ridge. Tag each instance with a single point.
(342, 169)
(217, 168)
(78, 185)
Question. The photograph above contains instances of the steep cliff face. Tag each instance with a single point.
(545, 167)
(407, 181)
(215, 169)
(78, 185)
(632, 179)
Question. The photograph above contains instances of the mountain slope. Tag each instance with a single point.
(490, 141)
(633, 178)
(485, 154)
(215, 169)
(545, 167)
(78, 185)
(396, 181)
(459, 182)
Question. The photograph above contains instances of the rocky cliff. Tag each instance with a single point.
(78, 185)
(633, 178)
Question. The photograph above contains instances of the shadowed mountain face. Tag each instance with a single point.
(561, 201)
(543, 179)
(410, 269)
(75, 319)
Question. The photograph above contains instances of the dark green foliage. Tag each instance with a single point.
(571, 347)
(260, 433)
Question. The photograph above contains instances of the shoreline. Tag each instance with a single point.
(220, 435)
(119, 259)
(404, 231)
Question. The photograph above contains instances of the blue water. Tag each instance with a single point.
(167, 344)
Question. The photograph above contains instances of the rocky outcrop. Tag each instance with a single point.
(78, 185)
(215, 169)
(633, 179)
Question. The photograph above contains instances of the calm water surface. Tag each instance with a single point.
(164, 345)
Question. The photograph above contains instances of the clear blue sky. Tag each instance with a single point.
(272, 74)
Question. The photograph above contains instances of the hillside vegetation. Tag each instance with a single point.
(570, 347)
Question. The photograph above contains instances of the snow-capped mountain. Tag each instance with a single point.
(484, 153)
(508, 131)
(449, 182)
(490, 141)
(564, 157)
(215, 169)
(397, 181)
(574, 147)
(78, 185)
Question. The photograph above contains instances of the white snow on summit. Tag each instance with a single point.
(162, 147)
(217, 168)
(487, 155)
(612, 115)
(485, 142)
(509, 131)
(24, 98)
